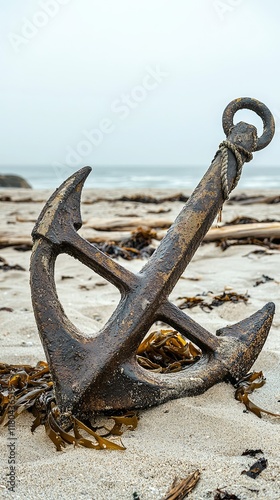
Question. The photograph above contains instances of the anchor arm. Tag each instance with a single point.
(99, 262)
(176, 318)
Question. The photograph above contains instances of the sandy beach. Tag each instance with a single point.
(208, 432)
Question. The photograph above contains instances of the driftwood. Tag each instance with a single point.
(235, 231)
(255, 230)
(14, 239)
(127, 223)
(251, 200)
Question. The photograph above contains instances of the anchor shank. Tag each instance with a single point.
(185, 235)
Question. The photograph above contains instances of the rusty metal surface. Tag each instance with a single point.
(102, 374)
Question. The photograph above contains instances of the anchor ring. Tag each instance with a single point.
(259, 108)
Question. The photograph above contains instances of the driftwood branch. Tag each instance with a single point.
(94, 235)
(254, 230)
(127, 223)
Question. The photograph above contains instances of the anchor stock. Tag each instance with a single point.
(102, 373)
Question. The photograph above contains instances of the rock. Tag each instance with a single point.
(13, 181)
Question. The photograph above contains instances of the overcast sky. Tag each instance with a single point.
(131, 82)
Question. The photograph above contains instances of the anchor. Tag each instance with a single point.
(102, 374)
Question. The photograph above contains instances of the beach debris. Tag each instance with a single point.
(247, 385)
(191, 302)
(217, 300)
(102, 373)
(256, 468)
(140, 198)
(127, 223)
(159, 211)
(258, 252)
(271, 243)
(247, 220)
(23, 248)
(245, 232)
(167, 351)
(32, 389)
(181, 488)
(224, 495)
(244, 199)
(5, 198)
(138, 245)
(263, 279)
(8, 309)
(252, 453)
(4, 266)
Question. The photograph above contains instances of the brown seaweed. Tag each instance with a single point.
(129, 420)
(252, 453)
(224, 495)
(138, 245)
(181, 488)
(263, 279)
(23, 248)
(256, 468)
(167, 351)
(247, 385)
(4, 266)
(271, 243)
(217, 300)
(247, 220)
(140, 198)
(32, 390)
(244, 199)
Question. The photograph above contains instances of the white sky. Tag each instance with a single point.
(73, 73)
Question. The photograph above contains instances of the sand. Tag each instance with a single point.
(207, 432)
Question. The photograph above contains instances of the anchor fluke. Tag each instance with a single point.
(251, 334)
(62, 209)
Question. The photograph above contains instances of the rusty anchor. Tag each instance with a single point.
(101, 373)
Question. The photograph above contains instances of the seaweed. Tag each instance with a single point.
(4, 266)
(249, 200)
(23, 248)
(256, 468)
(271, 243)
(224, 495)
(32, 389)
(247, 220)
(217, 300)
(263, 280)
(138, 245)
(190, 302)
(245, 386)
(181, 488)
(166, 351)
(140, 198)
(252, 453)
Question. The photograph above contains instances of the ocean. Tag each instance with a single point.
(141, 177)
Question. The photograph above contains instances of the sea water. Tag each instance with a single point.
(141, 177)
